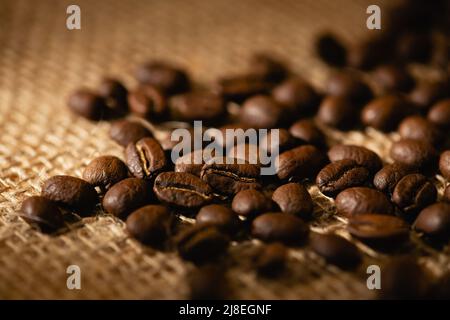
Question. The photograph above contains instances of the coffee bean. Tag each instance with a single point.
(348, 85)
(207, 282)
(293, 198)
(126, 196)
(385, 113)
(192, 162)
(368, 53)
(434, 221)
(201, 243)
(363, 156)
(150, 224)
(392, 78)
(229, 179)
(163, 76)
(337, 112)
(426, 94)
(246, 152)
(340, 175)
(297, 96)
(446, 195)
(220, 217)
(419, 128)
(271, 260)
(335, 250)
(387, 178)
(148, 102)
(285, 142)
(301, 162)
(250, 203)
(71, 192)
(439, 114)
(205, 106)
(307, 132)
(282, 227)
(413, 193)
(182, 190)
(414, 153)
(414, 47)
(239, 88)
(87, 104)
(331, 50)
(360, 200)
(261, 112)
(115, 95)
(444, 164)
(105, 171)
(381, 231)
(145, 158)
(124, 132)
(268, 67)
(43, 213)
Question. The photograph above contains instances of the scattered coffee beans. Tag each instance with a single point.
(87, 104)
(42, 213)
(301, 162)
(393, 78)
(297, 96)
(360, 200)
(337, 112)
(282, 227)
(434, 221)
(426, 94)
(439, 114)
(271, 260)
(124, 132)
(147, 102)
(349, 85)
(307, 132)
(239, 88)
(387, 178)
(204, 106)
(261, 112)
(293, 198)
(269, 68)
(414, 153)
(145, 158)
(385, 113)
(331, 50)
(363, 156)
(418, 128)
(251, 203)
(105, 171)
(115, 95)
(444, 164)
(219, 216)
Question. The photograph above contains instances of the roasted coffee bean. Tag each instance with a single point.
(331, 50)
(368, 53)
(413, 193)
(385, 113)
(392, 78)
(444, 164)
(446, 195)
(340, 175)
(301, 162)
(115, 95)
(87, 104)
(439, 114)
(414, 47)
(249, 153)
(192, 162)
(297, 96)
(337, 112)
(150, 224)
(307, 132)
(201, 243)
(268, 67)
(363, 156)
(360, 200)
(271, 260)
(207, 282)
(182, 190)
(163, 76)
(148, 102)
(105, 171)
(239, 88)
(348, 85)
(261, 112)
(419, 128)
(43, 213)
(124, 132)
(426, 94)
(282, 227)
(387, 178)
(251, 203)
(381, 231)
(285, 142)
(219, 216)
(145, 158)
(335, 250)
(414, 153)
(434, 221)
(71, 192)
(293, 198)
(126, 196)
(205, 106)
(230, 178)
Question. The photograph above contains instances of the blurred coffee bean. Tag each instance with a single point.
(148, 102)
(272, 259)
(385, 113)
(387, 178)
(434, 221)
(238, 88)
(105, 171)
(207, 282)
(145, 158)
(419, 128)
(414, 47)
(414, 153)
(124, 132)
(267, 67)
(337, 112)
(261, 112)
(293, 198)
(192, 162)
(115, 95)
(393, 78)
(446, 195)
(220, 217)
(307, 132)
(360, 200)
(300, 162)
(363, 156)
(193, 106)
(280, 227)
(43, 213)
(285, 142)
(425, 94)
(439, 114)
(245, 151)
(331, 50)
(369, 53)
(335, 250)
(88, 104)
(251, 203)
(444, 164)
(349, 85)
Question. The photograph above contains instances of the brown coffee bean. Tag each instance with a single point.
(348, 85)
(392, 78)
(115, 95)
(385, 113)
(251, 203)
(207, 282)
(261, 112)
(368, 53)
(87, 104)
(300, 162)
(307, 132)
(145, 158)
(220, 217)
(285, 142)
(282, 227)
(444, 164)
(414, 153)
(147, 102)
(105, 171)
(335, 250)
(337, 112)
(201, 243)
(387, 178)
(293, 198)
(182, 190)
(360, 200)
(267, 67)
(150, 224)
(126, 196)
(331, 50)
(71, 192)
(363, 156)
(419, 128)
(414, 47)
(42, 213)
(439, 114)
(191, 163)
(426, 94)
(413, 193)
(124, 132)
(434, 221)
(271, 260)
(340, 175)
(205, 106)
(239, 88)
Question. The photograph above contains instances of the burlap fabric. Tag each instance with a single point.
(41, 62)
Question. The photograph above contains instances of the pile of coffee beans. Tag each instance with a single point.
(383, 201)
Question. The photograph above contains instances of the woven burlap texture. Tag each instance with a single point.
(41, 62)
